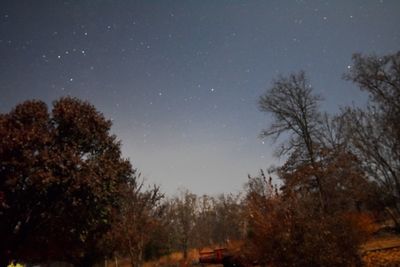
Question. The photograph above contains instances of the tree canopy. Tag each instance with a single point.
(61, 178)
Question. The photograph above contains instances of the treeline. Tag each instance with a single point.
(192, 221)
(67, 194)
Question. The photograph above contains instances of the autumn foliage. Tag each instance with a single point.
(290, 231)
(61, 179)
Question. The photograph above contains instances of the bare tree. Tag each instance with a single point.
(380, 77)
(375, 131)
(229, 219)
(185, 213)
(294, 108)
(205, 221)
(133, 228)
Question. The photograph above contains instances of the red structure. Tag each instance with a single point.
(222, 256)
(214, 257)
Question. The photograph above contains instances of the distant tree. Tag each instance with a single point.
(184, 219)
(61, 176)
(138, 219)
(374, 132)
(167, 235)
(218, 220)
(158, 243)
(229, 219)
(205, 221)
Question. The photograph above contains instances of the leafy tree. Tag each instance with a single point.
(61, 176)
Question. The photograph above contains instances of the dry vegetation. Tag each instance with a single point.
(174, 259)
(377, 252)
(382, 252)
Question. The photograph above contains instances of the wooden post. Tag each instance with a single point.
(116, 260)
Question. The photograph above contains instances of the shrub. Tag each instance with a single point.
(290, 231)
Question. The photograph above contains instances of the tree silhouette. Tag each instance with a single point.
(295, 111)
(61, 178)
(374, 132)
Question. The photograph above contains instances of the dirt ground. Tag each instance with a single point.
(383, 251)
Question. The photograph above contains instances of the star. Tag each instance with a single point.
(186, 66)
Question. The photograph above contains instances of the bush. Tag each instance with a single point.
(290, 231)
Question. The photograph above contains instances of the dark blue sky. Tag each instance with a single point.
(181, 79)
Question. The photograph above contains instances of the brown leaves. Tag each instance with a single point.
(65, 165)
(285, 230)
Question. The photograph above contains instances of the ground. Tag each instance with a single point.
(382, 251)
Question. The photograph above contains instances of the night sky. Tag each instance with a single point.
(181, 79)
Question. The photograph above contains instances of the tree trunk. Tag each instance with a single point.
(185, 253)
(116, 261)
(394, 218)
(140, 254)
